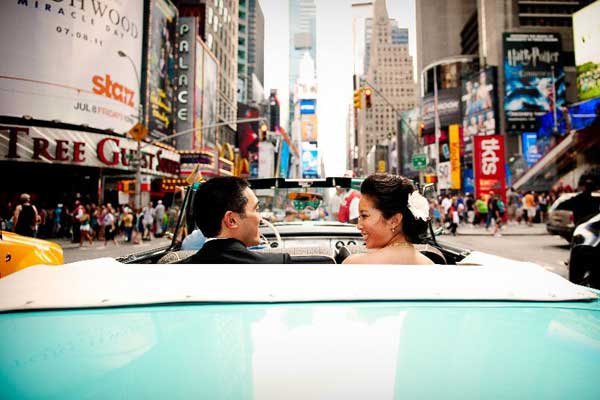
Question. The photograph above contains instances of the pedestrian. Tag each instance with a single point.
(529, 206)
(110, 226)
(148, 220)
(127, 224)
(85, 226)
(26, 217)
(159, 213)
(481, 208)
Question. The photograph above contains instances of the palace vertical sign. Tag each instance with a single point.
(488, 162)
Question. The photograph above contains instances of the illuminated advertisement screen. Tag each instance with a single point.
(586, 35)
(533, 78)
(61, 62)
(479, 103)
(161, 68)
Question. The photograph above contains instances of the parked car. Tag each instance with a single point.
(585, 253)
(561, 215)
(18, 252)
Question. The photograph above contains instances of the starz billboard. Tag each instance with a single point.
(534, 79)
(61, 61)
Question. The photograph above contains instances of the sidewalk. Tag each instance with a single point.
(507, 230)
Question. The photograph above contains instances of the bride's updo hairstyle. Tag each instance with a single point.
(390, 194)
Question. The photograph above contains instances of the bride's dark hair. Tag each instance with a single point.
(390, 194)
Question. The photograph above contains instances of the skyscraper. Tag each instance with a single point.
(399, 36)
(251, 37)
(303, 38)
(390, 75)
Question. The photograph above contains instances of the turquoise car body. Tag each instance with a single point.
(291, 346)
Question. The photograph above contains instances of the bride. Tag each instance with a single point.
(392, 216)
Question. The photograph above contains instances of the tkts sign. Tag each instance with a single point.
(488, 162)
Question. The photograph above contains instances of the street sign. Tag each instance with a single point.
(138, 132)
(419, 161)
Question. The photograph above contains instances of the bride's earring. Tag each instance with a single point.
(393, 230)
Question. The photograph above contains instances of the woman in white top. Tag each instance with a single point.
(393, 215)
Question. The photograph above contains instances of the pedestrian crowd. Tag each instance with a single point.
(492, 211)
(88, 222)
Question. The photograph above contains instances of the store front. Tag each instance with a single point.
(59, 165)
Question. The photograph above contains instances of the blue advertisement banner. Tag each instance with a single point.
(310, 163)
(467, 179)
(530, 148)
(308, 107)
(534, 78)
(284, 160)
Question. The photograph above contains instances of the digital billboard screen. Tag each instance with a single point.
(534, 79)
(479, 103)
(63, 63)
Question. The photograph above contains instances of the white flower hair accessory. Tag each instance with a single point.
(418, 205)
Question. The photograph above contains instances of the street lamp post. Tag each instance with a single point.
(138, 154)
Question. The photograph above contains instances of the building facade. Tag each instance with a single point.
(251, 38)
(399, 36)
(218, 27)
(488, 30)
(390, 75)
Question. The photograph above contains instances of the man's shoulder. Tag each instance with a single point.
(232, 251)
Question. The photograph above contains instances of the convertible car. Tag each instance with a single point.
(297, 219)
(472, 326)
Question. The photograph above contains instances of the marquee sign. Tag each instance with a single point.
(60, 146)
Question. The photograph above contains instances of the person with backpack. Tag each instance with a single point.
(26, 217)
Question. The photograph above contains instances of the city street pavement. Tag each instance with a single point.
(507, 230)
(518, 242)
(73, 252)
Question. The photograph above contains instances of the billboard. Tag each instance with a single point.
(534, 79)
(310, 160)
(530, 148)
(489, 166)
(586, 35)
(454, 142)
(448, 109)
(308, 128)
(479, 103)
(308, 106)
(160, 78)
(62, 62)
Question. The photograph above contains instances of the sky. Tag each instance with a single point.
(334, 64)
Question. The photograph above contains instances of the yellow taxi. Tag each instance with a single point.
(18, 252)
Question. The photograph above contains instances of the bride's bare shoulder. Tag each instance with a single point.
(358, 259)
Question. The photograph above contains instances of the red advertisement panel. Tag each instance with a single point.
(488, 162)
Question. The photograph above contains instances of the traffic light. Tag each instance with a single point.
(368, 93)
(421, 127)
(358, 98)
